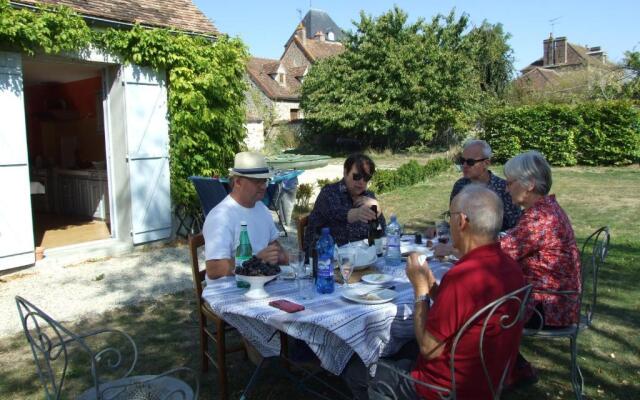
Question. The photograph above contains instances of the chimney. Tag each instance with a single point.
(301, 33)
(319, 36)
(547, 57)
(561, 50)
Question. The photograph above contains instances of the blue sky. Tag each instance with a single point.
(266, 25)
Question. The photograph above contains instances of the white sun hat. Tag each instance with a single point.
(251, 165)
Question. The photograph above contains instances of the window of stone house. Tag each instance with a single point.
(294, 114)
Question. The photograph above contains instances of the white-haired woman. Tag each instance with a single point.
(542, 242)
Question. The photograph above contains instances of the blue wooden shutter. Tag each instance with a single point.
(148, 153)
(16, 225)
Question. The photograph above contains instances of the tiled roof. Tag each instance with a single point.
(178, 14)
(538, 77)
(319, 49)
(259, 70)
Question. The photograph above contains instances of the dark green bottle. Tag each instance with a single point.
(243, 251)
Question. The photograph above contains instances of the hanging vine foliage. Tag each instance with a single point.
(205, 81)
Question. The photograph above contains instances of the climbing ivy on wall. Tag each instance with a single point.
(205, 81)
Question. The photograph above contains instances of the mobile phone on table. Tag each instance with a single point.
(286, 305)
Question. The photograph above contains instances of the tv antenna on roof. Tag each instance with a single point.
(553, 22)
(299, 14)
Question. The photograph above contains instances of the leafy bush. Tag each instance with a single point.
(303, 195)
(324, 182)
(592, 133)
(609, 134)
(407, 174)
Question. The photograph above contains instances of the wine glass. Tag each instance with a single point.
(296, 261)
(345, 262)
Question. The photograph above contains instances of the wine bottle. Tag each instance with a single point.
(373, 225)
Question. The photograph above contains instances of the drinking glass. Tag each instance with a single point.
(345, 262)
(296, 261)
(443, 232)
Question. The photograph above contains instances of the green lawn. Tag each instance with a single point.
(165, 330)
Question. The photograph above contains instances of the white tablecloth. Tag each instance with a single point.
(333, 327)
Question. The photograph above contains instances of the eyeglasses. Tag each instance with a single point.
(469, 161)
(357, 176)
(257, 181)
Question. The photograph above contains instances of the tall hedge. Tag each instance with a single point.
(593, 133)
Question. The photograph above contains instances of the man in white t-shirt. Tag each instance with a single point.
(221, 230)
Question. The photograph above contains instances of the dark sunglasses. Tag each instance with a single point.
(469, 161)
(357, 176)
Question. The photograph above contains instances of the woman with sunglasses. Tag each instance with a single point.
(474, 163)
(345, 206)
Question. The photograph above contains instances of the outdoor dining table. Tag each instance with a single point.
(334, 328)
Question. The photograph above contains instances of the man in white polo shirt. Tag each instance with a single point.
(249, 178)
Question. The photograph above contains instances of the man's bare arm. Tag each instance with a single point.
(429, 346)
(219, 268)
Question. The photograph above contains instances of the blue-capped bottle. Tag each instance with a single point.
(393, 257)
(324, 247)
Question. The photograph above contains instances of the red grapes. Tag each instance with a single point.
(256, 267)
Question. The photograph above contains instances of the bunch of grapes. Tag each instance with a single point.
(256, 267)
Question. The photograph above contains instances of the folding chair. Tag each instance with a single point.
(205, 315)
(210, 191)
(593, 255)
(507, 321)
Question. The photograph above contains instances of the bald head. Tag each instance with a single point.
(483, 209)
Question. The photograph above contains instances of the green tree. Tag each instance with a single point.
(631, 63)
(493, 57)
(395, 84)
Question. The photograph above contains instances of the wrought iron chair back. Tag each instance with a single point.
(507, 321)
(50, 342)
(510, 311)
(593, 256)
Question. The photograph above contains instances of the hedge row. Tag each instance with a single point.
(385, 180)
(594, 133)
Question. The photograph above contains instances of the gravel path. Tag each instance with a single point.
(75, 291)
(71, 292)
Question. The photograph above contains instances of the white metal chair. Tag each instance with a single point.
(52, 344)
(508, 320)
(593, 255)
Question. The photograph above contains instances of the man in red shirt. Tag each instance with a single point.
(483, 274)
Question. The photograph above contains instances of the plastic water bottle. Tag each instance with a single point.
(324, 246)
(243, 251)
(393, 257)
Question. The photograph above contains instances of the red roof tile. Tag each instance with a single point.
(178, 14)
(259, 70)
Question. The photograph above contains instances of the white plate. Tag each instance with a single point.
(378, 297)
(362, 260)
(406, 248)
(376, 279)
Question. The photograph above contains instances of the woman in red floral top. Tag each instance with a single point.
(542, 242)
(544, 245)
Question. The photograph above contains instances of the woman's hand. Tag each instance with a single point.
(361, 214)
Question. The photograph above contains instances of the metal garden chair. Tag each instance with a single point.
(593, 255)
(507, 320)
(211, 327)
(52, 346)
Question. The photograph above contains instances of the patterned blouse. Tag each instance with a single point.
(499, 186)
(544, 245)
(330, 210)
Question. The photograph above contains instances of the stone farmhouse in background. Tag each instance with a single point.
(562, 60)
(274, 85)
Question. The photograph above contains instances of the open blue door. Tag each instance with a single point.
(16, 225)
(148, 153)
